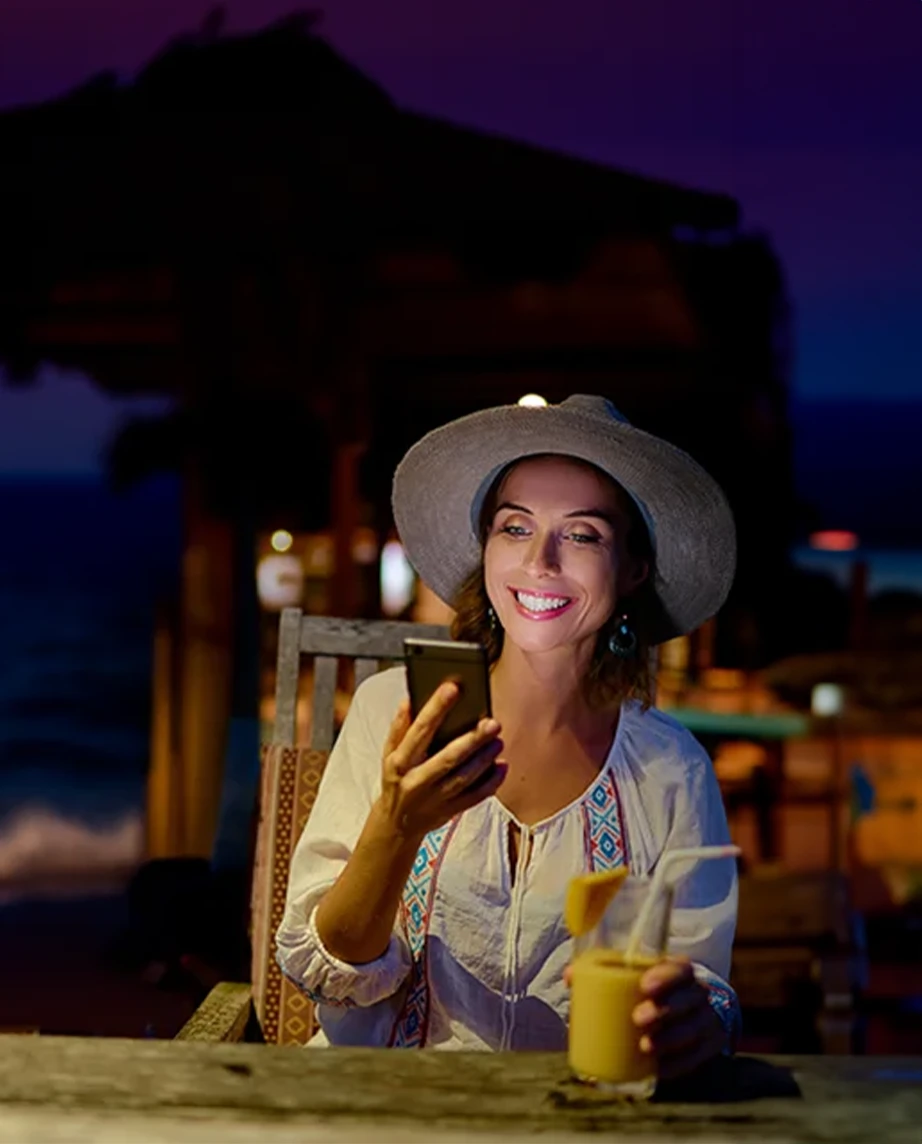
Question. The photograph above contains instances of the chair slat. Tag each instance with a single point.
(377, 639)
(363, 669)
(288, 668)
(809, 905)
(322, 715)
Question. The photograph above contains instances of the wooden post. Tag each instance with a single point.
(205, 669)
(164, 819)
(240, 772)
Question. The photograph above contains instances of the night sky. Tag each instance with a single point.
(809, 111)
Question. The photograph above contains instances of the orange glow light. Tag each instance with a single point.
(834, 540)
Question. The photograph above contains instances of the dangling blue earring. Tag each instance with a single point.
(623, 640)
(494, 622)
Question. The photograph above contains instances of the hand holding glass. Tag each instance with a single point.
(609, 963)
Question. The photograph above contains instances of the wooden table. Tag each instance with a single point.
(56, 1089)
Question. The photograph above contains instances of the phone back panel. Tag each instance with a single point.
(430, 663)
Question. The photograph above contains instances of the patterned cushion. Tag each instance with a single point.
(290, 778)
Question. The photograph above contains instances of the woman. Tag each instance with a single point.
(426, 895)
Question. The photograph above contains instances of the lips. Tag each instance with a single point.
(540, 605)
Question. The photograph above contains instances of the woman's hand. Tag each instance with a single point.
(419, 794)
(676, 1020)
(355, 917)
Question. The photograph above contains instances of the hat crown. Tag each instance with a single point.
(441, 483)
(594, 406)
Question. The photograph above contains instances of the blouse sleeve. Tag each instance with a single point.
(705, 901)
(349, 786)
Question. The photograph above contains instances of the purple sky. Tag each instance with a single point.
(810, 111)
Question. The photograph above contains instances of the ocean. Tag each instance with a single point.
(81, 571)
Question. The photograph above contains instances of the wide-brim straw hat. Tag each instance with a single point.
(442, 482)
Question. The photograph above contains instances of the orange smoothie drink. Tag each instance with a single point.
(604, 1041)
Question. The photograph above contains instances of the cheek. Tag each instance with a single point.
(492, 564)
(607, 597)
(602, 591)
(598, 572)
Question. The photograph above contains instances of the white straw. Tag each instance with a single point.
(691, 853)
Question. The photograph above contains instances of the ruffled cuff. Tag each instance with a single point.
(306, 961)
(724, 1002)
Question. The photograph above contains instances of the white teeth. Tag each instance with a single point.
(541, 603)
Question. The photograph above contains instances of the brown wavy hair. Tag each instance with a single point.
(610, 679)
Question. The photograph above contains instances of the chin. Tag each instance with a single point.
(531, 638)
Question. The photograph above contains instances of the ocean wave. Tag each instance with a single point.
(46, 854)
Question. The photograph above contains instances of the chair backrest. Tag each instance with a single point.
(369, 643)
(291, 775)
(809, 907)
(799, 958)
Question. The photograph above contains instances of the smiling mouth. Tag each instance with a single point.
(540, 604)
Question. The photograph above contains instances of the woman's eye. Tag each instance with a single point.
(585, 537)
(514, 530)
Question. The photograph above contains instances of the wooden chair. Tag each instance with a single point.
(799, 962)
(271, 1008)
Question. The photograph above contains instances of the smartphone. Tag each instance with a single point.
(430, 663)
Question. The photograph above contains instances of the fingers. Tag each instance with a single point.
(409, 739)
(398, 729)
(419, 735)
(478, 791)
(449, 759)
(685, 1046)
(649, 1015)
(666, 977)
(463, 775)
(677, 1023)
(675, 1020)
(681, 1036)
(672, 996)
(459, 764)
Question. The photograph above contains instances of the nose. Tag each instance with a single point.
(542, 558)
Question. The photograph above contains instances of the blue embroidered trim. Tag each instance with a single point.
(724, 1002)
(602, 828)
(410, 1028)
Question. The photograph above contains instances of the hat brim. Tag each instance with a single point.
(440, 486)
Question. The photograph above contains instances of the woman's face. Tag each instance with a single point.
(555, 559)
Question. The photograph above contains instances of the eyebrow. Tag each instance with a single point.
(587, 513)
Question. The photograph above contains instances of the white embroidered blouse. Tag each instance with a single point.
(478, 951)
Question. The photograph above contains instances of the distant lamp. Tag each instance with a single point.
(319, 555)
(827, 699)
(282, 540)
(364, 546)
(397, 579)
(533, 401)
(279, 582)
(834, 540)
